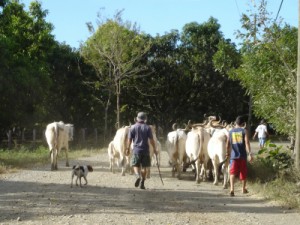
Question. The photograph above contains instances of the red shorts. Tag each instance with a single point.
(239, 167)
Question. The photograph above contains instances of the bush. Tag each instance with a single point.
(275, 159)
(274, 177)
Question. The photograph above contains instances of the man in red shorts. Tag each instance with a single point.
(237, 147)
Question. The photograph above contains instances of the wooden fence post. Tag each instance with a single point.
(96, 137)
(9, 139)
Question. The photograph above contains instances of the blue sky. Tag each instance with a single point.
(69, 17)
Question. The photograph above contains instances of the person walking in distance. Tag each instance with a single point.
(139, 135)
(238, 145)
(262, 133)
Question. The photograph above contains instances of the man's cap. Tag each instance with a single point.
(141, 117)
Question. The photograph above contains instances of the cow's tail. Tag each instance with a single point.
(56, 134)
(124, 145)
(201, 140)
(177, 143)
(221, 164)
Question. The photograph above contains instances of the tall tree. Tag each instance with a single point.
(114, 50)
(69, 99)
(24, 75)
(268, 68)
(164, 90)
(211, 91)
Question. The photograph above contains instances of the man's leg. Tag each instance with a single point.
(143, 175)
(232, 177)
(136, 170)
(244, 190)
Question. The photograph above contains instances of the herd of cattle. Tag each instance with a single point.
(198, 145)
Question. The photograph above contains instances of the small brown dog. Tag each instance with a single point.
(81, 171)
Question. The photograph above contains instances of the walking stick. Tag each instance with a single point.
(159, 170)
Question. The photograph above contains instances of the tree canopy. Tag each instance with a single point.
(118, 71)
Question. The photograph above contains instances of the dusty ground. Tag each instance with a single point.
(40, 196)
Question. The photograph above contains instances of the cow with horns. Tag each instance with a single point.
(176, 149)
(217, 152)
(196, 150)
(196, 146)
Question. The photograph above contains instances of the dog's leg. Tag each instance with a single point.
(77, 180)
(72, 179)
(80, 181)
(85, 180)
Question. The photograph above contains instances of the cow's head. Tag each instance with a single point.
(70, 131)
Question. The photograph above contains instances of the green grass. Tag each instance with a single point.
(12, 160)
(280, 186)
(284, 192)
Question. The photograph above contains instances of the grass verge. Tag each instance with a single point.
(280, 186)
(12, 160)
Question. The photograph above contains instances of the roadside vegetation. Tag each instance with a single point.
(273, 175)
(15, 159)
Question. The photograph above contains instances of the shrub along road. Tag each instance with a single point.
(41, 196)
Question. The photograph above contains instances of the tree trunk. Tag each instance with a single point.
(249, 116)
(106, 117)
(118, 92)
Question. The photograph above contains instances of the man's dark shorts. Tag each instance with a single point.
(141, 159)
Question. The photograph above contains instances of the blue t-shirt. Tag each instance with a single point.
(140, 133)
(237, 141)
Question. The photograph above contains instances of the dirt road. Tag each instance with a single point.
(40, 196)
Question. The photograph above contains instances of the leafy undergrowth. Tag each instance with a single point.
(273, 175)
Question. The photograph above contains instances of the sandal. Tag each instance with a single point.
(231, 193)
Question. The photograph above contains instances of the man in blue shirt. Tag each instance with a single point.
(140, 134)
(238, 145)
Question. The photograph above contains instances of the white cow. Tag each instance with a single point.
(217, 153)
(196, 150)
(119, 145)
(176, 149)
(158, 150)
(113, 156)
(58, 136)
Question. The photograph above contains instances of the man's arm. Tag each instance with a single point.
(228, 148)
(127, 151)
(152, 142)
(248, 148)
(266, 131)
(254, 134)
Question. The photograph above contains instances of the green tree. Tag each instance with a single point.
(114, 50)
(268, 68)
(184, 84)
(69, 99)
(164, 90)
(211, 91)
(24, 76)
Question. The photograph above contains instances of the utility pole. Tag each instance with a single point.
(297, 145)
